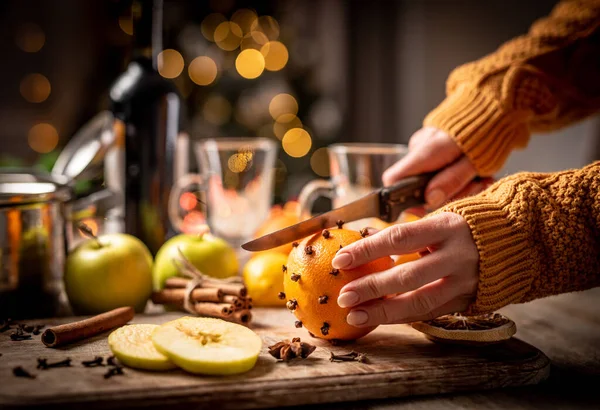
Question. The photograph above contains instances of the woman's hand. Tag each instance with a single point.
(444, 280)
(431, 149)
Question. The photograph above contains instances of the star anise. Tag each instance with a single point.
(286, 350)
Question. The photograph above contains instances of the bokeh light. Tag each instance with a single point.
(170, 63)
(239, 162)
(30, 38)
(228, 36)
(284, 123)
(202, 70)
(268, 25)
(209, 25)
(35, 88)
(250, 63)
(217, 109)
(319, 162)
(244, 18)
(126, 24)
(276, 55)
(283, 104)
(296, 142)
(188, 201)
(42, 138)
(255, 40)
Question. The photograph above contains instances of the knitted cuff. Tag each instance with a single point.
(505, 261)
(483, 128)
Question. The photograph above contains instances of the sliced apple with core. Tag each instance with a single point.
(132, 345)
(208, 346)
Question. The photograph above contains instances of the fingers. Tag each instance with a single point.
(432, 150)
(399, 279)
(449, 181)
(435, 299)
(396, 240)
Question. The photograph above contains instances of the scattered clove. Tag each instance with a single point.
(286, 350)
(37, 329)
(323, 299)
(364, 232)
(19, 371)
(298, 324)
(349, 357)
(339, 224)
(295, 244)
(295, 277)
(113, 371)
(309, 250)
(292, 304)
(284, 268)
(19, 335)
(326, 234)
(281, 295)
(5, 325)
(325, 329)
(334, 272)
(111, 361)
(341, 246)
(44, 365)
(97, 361)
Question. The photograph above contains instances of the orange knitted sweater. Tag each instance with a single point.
(537, 234)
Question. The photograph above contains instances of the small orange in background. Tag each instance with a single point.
(263, 277)
(280, 218)
(312, 286)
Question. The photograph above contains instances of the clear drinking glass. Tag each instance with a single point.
(355, 171)
(236, 186)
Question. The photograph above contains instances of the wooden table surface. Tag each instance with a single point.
(567, 329)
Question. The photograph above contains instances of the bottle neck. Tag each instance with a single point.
(147, 30)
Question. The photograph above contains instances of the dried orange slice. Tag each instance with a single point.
(472, 330)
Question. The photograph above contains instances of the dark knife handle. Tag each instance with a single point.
(407, 193)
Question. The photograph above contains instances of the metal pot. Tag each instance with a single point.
(36, 210)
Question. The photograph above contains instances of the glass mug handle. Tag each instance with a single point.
(311, 191)
(182, 184)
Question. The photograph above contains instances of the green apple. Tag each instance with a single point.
(205, 345)
(209, 254)
(111, 271)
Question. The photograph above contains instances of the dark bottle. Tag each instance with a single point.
(149, 107)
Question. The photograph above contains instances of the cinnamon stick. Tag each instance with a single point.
(83, 329)
(220, 310)
(228, 288)
(241, 316)
(234, 300)
(176, 296)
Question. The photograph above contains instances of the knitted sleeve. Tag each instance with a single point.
(540, 81)
(536, 234)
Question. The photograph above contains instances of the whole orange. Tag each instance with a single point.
(278, 219)
(312, 286)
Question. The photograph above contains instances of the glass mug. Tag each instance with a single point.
(355, 171)
(235, 183)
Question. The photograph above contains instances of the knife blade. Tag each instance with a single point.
(385, 203)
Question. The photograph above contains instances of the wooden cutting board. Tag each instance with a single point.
(402, 363)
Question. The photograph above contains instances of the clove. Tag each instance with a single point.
(113, 371)
(97, 361)
(349, 357)
(19, 335)
(5, 325)
(298, 324)
(281, 295)
(295, 244)
(111, 361)
(325, 329)
(295, 277)
(292, 304)
(339, 223)
(37, 329)
(309, 250)
(334, 272)
(44, 365)
(326, 234)
(19, 371)
(284, 268)
(364, 232)
(323, 299)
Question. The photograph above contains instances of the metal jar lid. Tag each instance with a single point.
(19, 187)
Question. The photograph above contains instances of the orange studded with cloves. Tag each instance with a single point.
(313, 286)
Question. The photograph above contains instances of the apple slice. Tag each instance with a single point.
(132, 345)
(208, 346)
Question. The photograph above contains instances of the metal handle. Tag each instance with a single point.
(311, 191)
(408, 193)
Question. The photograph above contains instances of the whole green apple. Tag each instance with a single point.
(111, 271)
(209, 254)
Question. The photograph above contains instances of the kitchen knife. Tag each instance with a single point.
(386, 204)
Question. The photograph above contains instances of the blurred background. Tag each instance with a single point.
(342, 70)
